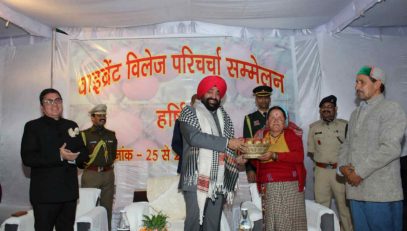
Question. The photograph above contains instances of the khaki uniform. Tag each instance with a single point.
(102, 146)
(324, 141)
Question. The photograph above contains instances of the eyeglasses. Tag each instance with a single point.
(52, 101)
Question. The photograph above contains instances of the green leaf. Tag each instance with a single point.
(155, 221)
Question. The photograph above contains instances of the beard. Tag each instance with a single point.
(213, 105)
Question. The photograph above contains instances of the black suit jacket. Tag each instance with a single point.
(257, 121)
(52, 179)
(176, 144)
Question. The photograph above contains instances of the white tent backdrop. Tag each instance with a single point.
(25, 72)
(323, 64)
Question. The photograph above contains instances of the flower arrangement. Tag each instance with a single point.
(156, 222)
(73, 132)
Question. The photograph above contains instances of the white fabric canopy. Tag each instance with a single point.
(38, 17)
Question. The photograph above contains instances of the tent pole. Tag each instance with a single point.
(53, 43)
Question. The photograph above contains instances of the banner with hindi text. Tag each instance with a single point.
(146, 82)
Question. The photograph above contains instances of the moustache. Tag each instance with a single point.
(213, 99)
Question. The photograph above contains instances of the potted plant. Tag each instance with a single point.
(157, 222)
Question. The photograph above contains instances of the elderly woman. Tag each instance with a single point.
(280, 175)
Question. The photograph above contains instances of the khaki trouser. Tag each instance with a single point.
(328, 184)
(105, 182)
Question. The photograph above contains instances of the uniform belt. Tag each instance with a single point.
(325, 165)
(100, 169)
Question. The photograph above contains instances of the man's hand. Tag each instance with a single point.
(351, 177)
(66, 154)
(241, 160)
(237, 145)
(251, 176)
(346, 170)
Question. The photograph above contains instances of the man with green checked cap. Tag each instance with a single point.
(102, 146)
(369, 158)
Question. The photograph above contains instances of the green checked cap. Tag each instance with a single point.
(373, 72)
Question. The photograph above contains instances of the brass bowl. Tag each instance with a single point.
(254, 151)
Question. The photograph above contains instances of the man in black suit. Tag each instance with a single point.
(53, 148)
(176, 142)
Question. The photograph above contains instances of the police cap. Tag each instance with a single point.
(98, 109)
(262, 91)
(330, 99)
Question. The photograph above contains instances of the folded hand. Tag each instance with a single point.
(67, 154)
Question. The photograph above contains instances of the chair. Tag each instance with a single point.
(88, 215)
(319, 217)
(163, 196)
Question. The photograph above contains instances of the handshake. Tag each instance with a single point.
(237, 144)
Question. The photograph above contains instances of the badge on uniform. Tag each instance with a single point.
(256, 123)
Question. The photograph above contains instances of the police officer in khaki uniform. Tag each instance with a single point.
(102, 145)
(324, 139)
(256, 121)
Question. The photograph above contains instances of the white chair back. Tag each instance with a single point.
(88, 198)
(315, 213)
